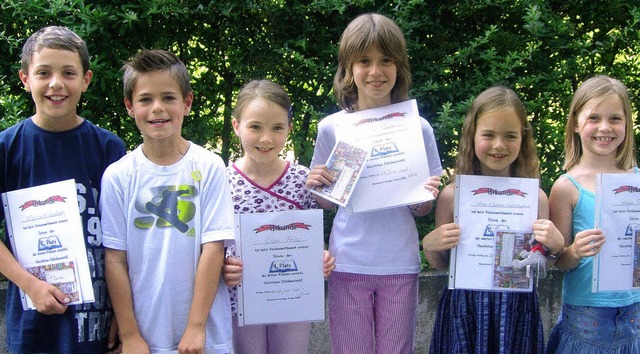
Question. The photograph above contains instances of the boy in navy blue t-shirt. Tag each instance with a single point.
(52, 145)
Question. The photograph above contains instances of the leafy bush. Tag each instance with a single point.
(543, 49)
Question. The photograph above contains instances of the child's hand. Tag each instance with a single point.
(135, 344)
(318, 176)
(232, 271)
(46, 298)
(433, 184)
(114, 346)
(442, 238)
(546, 233)
(587, 243)
(192, 341)
(328, 263)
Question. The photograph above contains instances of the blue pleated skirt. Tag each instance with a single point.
(487, 322)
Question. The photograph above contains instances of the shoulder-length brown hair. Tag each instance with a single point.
(494, 98)
(361, 34)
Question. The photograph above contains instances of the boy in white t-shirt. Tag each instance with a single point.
(167, 211)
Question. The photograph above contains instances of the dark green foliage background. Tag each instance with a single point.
(543, 49)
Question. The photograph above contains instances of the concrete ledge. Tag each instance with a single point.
(431, 286)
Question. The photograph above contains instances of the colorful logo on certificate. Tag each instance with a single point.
(490, 230)
(37, 203)
(493, 191)
(283, 266)
(630, 228)
(292, 226)
(384, 149)
(629, 189)
(48, 243)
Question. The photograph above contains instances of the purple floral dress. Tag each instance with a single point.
(288, 192)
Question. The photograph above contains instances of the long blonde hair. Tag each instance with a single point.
(494, 98)
(598, 88)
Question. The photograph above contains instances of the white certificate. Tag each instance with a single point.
(495, 215)
(397, 167)
(618, 216)
(282, 277)
(45, 230)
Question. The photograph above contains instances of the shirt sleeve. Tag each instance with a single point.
(431, 147)
(112, 208)
(325, 141)
(217, 209)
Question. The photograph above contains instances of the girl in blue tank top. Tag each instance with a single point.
(598, 139)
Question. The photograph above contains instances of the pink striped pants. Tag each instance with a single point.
(372, 313)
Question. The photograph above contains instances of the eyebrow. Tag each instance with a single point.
(46, 66)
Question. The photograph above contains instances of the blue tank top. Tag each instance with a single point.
(577, 282)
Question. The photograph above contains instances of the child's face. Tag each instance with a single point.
(158, 107)
(497, 141)
(56, 82)
(263, 128)
(602, 126)
(375, 75)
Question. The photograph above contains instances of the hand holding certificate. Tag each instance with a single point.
(282, 277)
(346, 162)
(398, 166)
(47, 238)
(495, 216)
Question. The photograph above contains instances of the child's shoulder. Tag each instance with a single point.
(565, 189)
(448, 192)
(13, 130)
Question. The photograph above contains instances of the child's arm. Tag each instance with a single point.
(204, 292)
(46, 298)
(119, 286)
(544, 230)
(446, 235)
(318, 176)
(587, 243)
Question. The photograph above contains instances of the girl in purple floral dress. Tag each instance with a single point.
(262, 182)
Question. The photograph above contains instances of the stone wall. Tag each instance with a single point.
(430, 287)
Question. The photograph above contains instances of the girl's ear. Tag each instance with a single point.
(576, 128)
(236, 126)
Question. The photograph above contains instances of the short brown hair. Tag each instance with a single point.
(151, 60)
(54, 37)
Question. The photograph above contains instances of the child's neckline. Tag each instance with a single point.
(262, 183)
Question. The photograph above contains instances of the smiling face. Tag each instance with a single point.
(497, 141)
(158, 107)
(263, 128)
(374, 75)
(56, 81)
(601, 126)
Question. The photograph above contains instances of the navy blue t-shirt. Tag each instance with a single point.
(31, 156)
